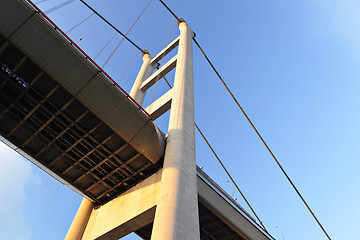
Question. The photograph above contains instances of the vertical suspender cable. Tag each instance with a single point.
(216, 156)
(105, 46)
(127, 67)
(232, 180)
(252, 125)
(58, 6)
(40, 1)
(172, 13)
(167, 82)
(37, 10)
(167, 41)
(223, 166)
(79, 23)
(125, 36)
(88, 6)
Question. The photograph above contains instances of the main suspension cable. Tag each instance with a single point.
(172, 13)
(87, 5)
(228, 174)
(127, 67)
(252, 125)
(223, 166)
(213, 151)
(261, 138)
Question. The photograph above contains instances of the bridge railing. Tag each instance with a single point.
(61, 32)
(203, 175)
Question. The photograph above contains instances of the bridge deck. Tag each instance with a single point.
(60, 111)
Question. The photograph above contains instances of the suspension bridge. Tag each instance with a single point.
(57, 110)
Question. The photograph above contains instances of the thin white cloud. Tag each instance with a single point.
(15, 176)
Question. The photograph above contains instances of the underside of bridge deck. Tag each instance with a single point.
(64, 114)
(211, 227)
(54, 129)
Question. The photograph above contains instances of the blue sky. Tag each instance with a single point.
(294, 67)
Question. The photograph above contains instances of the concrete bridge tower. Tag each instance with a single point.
(170, 196)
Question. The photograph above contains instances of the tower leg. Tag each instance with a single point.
(80, 221)
(145, 71)
(176, 214)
